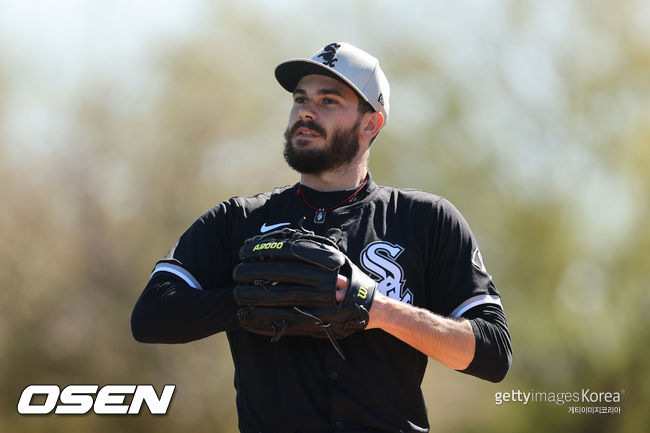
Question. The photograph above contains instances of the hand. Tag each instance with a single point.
(342, 284)
(284, 287)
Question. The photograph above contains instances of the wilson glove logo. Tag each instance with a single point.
(268, 246)
(81, 399)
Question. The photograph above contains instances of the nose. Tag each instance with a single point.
(306, 112)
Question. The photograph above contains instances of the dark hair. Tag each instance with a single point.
(365, 107)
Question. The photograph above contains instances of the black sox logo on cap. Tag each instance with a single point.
(329, 54)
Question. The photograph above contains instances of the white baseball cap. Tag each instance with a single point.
(348, 64)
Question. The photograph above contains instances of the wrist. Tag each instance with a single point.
(378, 310)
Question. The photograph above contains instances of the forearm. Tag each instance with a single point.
(169, 311)
(449, 341)
(493, 346)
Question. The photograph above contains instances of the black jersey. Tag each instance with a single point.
(416, 245)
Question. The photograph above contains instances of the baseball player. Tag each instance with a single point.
(335, 291)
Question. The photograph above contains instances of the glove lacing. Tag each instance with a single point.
(326, 328)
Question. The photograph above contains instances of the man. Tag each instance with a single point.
(434, 296)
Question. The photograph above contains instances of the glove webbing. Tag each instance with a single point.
(326, 327)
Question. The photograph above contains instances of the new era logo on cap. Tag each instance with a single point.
(344, 61)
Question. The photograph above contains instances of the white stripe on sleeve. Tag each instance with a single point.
(179, 272)
(474, 301)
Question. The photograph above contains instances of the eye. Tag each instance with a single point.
(299, 99)
(329, 101)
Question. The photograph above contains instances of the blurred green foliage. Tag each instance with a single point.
(540, 136)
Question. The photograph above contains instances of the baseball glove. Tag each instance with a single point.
(286, 285)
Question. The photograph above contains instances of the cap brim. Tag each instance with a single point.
(290, 72)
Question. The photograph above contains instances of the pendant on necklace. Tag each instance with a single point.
(319, 218)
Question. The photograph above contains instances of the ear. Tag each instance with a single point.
(371, 124)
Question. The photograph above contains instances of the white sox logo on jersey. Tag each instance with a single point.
(379, 259)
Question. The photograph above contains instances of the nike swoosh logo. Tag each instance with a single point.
(266, 228)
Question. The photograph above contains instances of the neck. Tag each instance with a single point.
(333, 180)
(346, 177)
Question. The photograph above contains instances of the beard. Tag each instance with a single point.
(338, 151)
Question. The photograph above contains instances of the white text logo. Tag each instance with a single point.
(380, 259)
(80, 399)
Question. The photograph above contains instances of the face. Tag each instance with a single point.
(323, 131)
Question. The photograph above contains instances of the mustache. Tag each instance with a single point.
(307, 124)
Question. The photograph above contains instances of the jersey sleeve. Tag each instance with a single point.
(202, 256)
(493, 353)
(457, 270)
(189, 293)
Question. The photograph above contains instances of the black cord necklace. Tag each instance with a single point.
(321, 213)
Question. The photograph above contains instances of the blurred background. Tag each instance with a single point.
(121, 122)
